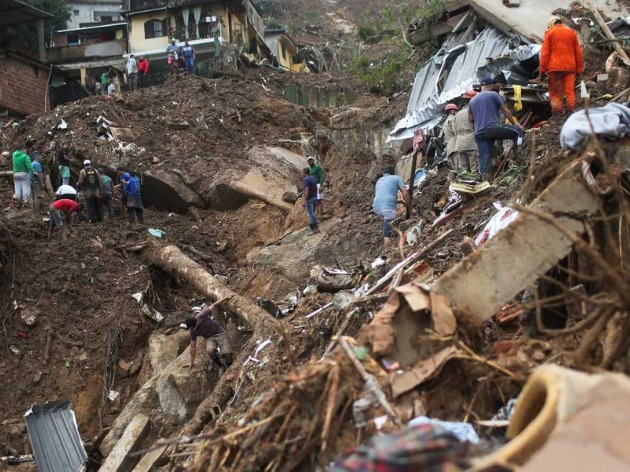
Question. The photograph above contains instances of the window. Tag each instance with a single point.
(155, 28)
(107, 19)
(75, 12)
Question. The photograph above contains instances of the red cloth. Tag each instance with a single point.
(561, 51)
(419, 137)
(561, 84)
(143, 67)
(66, 205)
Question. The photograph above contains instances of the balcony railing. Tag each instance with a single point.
(92, 50)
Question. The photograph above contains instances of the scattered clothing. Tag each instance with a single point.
(426, 447)
(611, 121)
(462, 431)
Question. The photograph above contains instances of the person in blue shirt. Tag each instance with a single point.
(37, 180)
(134, 199)
(386, 200)
(122, 177)
(188, 52)
(309, 186)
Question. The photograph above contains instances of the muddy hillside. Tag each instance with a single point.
(491, 335)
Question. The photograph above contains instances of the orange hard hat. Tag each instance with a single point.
(451, 106)
(469, 94)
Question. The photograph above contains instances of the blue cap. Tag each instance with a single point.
(486, 81)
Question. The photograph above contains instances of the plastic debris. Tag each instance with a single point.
(462, 431)
(158, 233)
(498, 222)
(112, 395)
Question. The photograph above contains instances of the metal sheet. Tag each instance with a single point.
(448, 75)
(55, 439)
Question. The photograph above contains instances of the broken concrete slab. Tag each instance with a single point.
(530, 19)
(296, 253)
(486, 280)
(119, 459)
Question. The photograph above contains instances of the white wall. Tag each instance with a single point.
(86, 13)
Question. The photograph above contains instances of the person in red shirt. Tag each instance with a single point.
(143, 71)
(561, 59)
(61, 213)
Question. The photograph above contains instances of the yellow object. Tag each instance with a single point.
(518, 104)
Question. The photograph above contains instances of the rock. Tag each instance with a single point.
(538, 355)
(164, 349)
(29, 315)
(178, 124)
(296, 253)
(220, 247)
(177, 390)
(289, 197)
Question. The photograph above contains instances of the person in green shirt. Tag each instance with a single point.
(22, 169)
(316, 171)
(107, 198)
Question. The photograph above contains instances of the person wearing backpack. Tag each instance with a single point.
(90, 183)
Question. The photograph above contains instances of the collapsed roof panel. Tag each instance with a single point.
(447, 76)
(55, 439)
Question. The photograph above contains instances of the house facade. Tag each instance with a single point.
(284, 49)
(23, 73)
(87, 12)
(211, 26)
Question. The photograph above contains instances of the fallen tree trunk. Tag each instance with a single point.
(171, 260)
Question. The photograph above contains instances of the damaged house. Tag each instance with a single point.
(215, 28)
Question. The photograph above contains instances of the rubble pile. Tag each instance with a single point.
(471, 344)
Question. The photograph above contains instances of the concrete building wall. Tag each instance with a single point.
(23, 87)
(91, 12)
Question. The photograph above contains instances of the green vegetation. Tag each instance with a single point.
(25, 35)
(389, 27)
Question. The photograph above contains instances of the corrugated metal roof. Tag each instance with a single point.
(55, 439)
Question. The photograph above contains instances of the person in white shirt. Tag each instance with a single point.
(132, 72)
(111, 89)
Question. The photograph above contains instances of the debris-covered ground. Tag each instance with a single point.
(450, 325)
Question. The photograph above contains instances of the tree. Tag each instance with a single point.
(24, 36)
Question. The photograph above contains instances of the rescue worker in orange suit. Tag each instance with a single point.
(561, 59)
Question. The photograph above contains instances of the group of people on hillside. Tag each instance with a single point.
(470, 132)
(137, 72)
(180, 58)
(94, 190)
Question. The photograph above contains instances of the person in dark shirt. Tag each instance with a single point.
(216, 339)
(309, 186)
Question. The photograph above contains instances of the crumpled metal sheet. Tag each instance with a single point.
(55, 439)
(447, 76)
